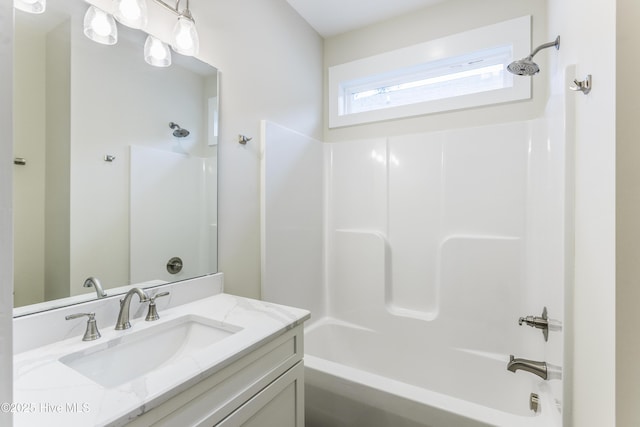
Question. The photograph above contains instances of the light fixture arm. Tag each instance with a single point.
(185, 35)
(171, 8)
(186, 12)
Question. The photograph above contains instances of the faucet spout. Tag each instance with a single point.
(125, 303)
(93, 281)
(537, 368)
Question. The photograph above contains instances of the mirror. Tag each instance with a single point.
(102, 187)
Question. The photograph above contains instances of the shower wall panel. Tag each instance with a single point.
(169, 215)
(450, 236)
(416, 180)
(292, 215)
(358, 277)
(358, 190)
(442, 241)
(422, 197)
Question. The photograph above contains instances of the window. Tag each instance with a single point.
(459, 71)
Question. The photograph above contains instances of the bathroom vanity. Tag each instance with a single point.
(221, 360)
(263, 388)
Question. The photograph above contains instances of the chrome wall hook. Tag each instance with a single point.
(243, 139)
(583, 86)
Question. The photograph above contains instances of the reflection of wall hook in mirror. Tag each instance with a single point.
(243, 139)
(109, 158)
(583, 86)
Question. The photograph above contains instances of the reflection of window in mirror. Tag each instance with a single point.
(77, 215)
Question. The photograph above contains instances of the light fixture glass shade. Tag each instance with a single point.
(100, 27)
(30, 6)
(185, 36)
(132, 13)
(156, 52)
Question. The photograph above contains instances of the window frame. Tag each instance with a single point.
(515, 32)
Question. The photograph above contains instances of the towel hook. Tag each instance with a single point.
(583, 86)
(243, 139)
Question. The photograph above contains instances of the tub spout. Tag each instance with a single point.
(537, 368)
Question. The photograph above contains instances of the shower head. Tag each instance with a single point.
(526, 66)
(523, 67)
(178, 131)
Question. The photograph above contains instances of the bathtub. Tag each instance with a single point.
(351, 379)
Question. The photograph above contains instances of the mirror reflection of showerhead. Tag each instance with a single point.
(526, 66)
(178, 132)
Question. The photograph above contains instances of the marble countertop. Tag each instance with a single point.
(48, 392)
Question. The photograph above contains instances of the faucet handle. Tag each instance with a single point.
(91, 333)
(152, 314)
(541, 322)
(152, 300)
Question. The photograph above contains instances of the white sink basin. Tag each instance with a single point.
(135, 354)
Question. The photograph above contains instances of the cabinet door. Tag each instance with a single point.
(281, 404)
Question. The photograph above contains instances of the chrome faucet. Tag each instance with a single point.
(125, 303)
(537, 368)
(93, 281)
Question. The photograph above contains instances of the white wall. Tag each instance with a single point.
(292, 219)
(6, 207)
(628, 212)
(588, 40)
(443, 19)
(271, 65)
(58, 173)
(29, 113)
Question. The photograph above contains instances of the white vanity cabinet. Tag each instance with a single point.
(262, 388)
(281, 404)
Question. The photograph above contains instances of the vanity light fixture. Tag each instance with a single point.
(185, 38)
(30, 6)
(132, 13)
(156, 52)
(100, 27)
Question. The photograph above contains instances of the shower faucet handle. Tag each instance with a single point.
(541, 322)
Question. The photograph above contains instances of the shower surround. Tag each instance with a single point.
(417, 263)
